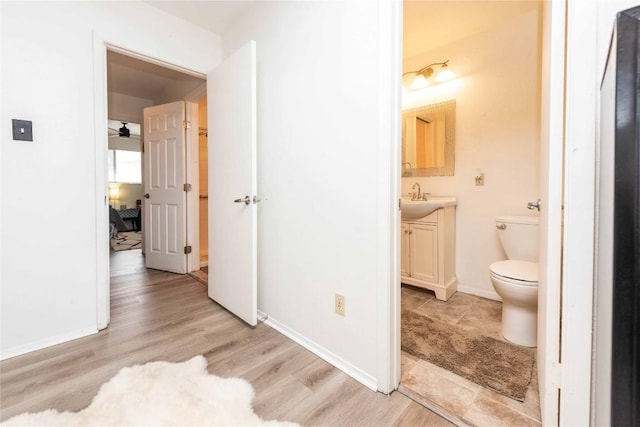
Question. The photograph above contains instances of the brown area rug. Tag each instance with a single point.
(498, 365)
(127, 240)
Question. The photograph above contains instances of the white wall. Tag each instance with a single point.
(317, 173)
(49, 276)
(497, 132)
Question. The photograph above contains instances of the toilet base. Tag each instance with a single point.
(520, 324)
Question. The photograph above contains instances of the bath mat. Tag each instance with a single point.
(503, 367)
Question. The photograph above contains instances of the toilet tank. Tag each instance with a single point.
(519, 236)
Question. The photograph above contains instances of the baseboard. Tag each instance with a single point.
(479, 292)
(341, 364)
(204, 264)
(48, 342)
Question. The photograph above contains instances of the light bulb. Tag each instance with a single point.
(419, 82)
(445, 74)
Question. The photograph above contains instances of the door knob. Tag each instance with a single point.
(146, 195)
(246, 200)
(534, 205)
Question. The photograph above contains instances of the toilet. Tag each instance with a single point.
(516, 279)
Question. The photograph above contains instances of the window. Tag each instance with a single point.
(125, 166)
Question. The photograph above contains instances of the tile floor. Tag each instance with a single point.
(449, 394)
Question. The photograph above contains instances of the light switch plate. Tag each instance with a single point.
(22, 130)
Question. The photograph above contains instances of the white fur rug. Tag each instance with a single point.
(161, 394)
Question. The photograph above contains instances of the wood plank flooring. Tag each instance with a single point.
(163, 316)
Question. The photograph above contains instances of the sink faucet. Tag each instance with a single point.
(417, 196)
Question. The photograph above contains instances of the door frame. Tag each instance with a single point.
(103, 287)
(192, 157)
(578, 197)
(581, 94)
(580, 71)
(389, 191)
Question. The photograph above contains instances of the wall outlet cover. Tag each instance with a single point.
(339, 304)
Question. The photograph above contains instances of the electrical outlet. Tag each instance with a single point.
(480, 179)
(340, 304)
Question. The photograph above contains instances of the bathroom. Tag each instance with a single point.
(494, 50)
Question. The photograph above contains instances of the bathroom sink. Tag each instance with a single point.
(413, 209)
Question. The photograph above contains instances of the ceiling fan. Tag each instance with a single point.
(123, 132)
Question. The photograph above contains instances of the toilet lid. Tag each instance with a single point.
(517, 270)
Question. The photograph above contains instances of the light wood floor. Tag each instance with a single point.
(163, 316)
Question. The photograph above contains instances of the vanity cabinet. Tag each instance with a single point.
(428, 252)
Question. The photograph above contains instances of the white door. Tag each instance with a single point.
(551, 173)
(164, 207)
(231, 98)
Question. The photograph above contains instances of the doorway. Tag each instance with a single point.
(497, 171)
(233, 82)
(135, 84)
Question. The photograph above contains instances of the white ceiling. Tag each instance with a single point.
(215, 16)
(427, 25)
(133, 77)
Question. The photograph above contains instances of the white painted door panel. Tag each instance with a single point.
(550, 250)
(231, 98)
(164, 210)
(424, 252)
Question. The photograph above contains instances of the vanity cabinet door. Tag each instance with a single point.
(424, 252)
(405, 250)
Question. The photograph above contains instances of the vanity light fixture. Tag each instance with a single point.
(425, 75)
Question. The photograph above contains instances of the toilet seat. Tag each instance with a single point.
(523, 273)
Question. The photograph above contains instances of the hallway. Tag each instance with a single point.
(164, 316)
